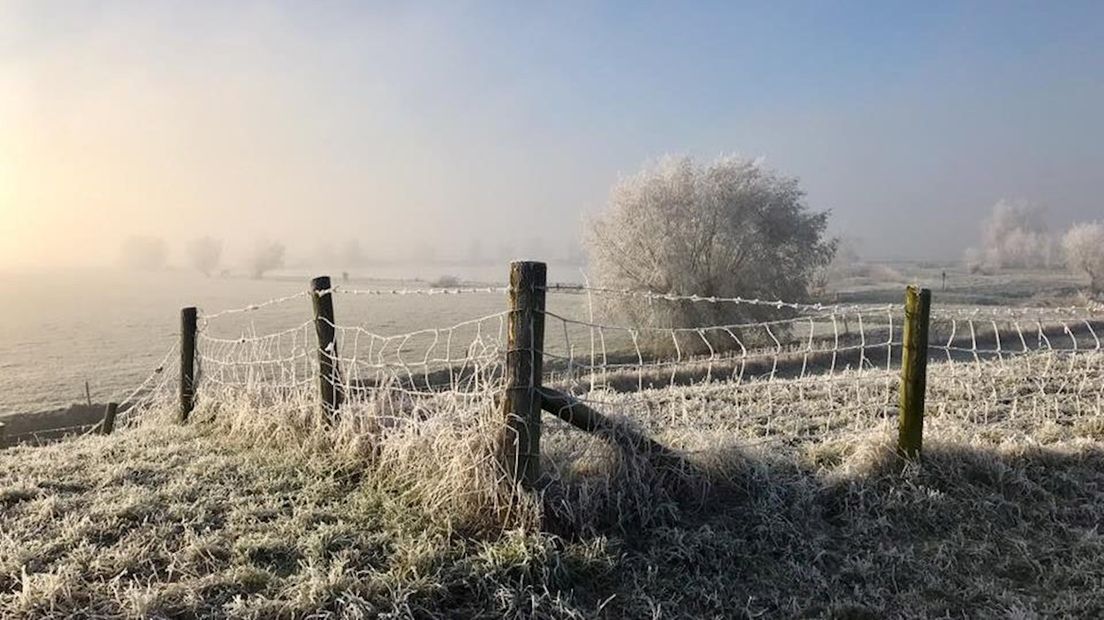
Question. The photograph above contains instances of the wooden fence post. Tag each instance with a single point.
(914, 370)
(108, 423)
(329, 379)
(524, 365)
(3, 435)
(187, 361)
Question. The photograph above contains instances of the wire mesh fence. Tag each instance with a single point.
(767, 372)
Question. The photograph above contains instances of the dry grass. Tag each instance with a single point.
(248, 515)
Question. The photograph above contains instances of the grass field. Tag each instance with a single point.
(249, 515)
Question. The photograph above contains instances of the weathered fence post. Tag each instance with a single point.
(3, 435)
(108, 423)
(329, 379)
(187, 361)
(914, 370)
(524, 365)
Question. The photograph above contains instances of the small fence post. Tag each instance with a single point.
(324, 325)
(3, 435)
(108, 423)
(914, 365)
(187, 361)
(524, 365)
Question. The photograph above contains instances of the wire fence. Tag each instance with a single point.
(757, 371)
(769, 371)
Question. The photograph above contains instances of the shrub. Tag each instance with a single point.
(1014, 236)
(446, 282)
(730, 228)
(1084, 248)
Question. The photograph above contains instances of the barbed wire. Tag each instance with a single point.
(341, 290)
(712, 299)
(252, 307)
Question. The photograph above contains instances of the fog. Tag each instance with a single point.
(477, 131)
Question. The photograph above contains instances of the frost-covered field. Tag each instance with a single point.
(1001, 520)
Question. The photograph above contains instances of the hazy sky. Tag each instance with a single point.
(429, 125)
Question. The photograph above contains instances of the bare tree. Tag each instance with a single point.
(727, 229)
(1014, 236)
(146, 253)
(266, 257)
(1084, 248)
(205, 254)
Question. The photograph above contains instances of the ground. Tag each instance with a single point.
(164, 521)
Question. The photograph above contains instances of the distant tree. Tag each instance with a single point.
(727, 229)
(205, 254)
(266, 257)
(1084, 249)
(446, 281)
(146, 253)
(1014, 236)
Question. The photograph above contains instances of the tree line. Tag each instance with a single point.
(204, 254)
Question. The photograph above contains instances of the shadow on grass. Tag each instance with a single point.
(830, 529)
(841, 530)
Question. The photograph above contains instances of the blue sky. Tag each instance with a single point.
(430, 124)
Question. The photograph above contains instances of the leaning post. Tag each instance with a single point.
(524, 365)
(187, 361)
(329, 379)
(914, 368)
(108, 423)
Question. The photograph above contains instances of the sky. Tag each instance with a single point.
(446, 129)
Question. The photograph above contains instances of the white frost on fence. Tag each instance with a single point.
(801, 373)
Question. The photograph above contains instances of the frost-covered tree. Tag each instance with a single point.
(1084, 249)
(205, 253)
(146, 253)
(1014, 236)
(266, 257)
(726, 229)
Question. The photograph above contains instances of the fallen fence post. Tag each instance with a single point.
(578, 414)
(187, 361)
(914, 365)
(524, 366)
(108, 423)
(329, 379)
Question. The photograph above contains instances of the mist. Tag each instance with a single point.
(477, 132)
